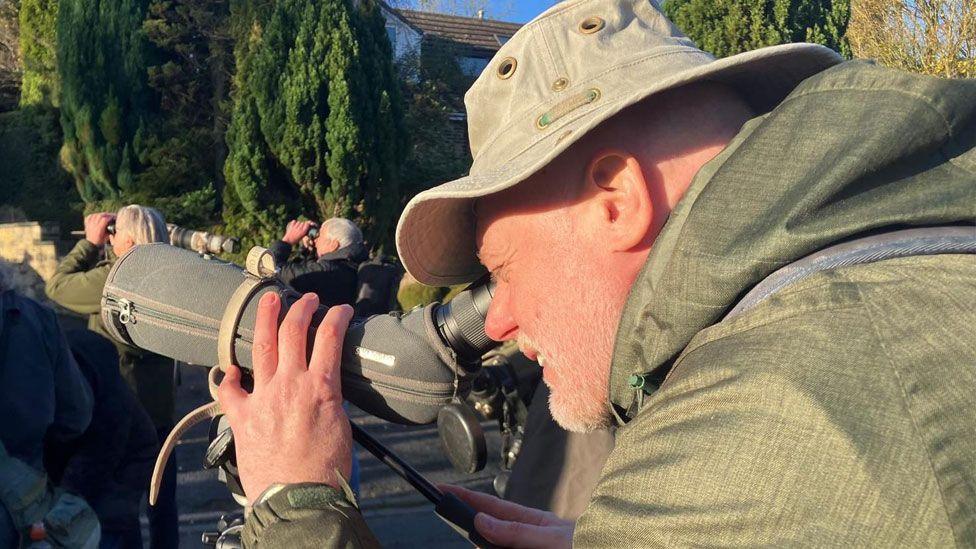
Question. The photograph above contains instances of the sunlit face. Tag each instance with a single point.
(550, 297)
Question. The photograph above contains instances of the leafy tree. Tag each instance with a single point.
(728, 27)
(184, 156)
(10, 65)
(436, 153)
(30, 177)
(38, 21)
(316, 126)
(936, 37)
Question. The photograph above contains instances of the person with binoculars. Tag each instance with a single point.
(329, 269)
(77, 285)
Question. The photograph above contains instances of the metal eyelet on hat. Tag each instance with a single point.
(560, 84)
(591, 25)
(506, 68)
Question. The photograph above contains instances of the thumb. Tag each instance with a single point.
(518, 535)
(230, 393)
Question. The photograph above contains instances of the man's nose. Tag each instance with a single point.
(499, 323)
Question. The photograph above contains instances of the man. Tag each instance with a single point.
(331, 274)
(626, 191)
(77, 286)
(44, 396)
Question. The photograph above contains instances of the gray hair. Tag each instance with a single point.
(342, 230)
(143, 224)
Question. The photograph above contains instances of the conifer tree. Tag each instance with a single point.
(316, 127)
(728, 27)
(102, 57)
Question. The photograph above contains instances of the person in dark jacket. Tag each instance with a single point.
(77, 286)
(110, 464)
(44, 394)
(335, 255)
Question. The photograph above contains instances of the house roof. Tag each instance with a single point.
(481, 34)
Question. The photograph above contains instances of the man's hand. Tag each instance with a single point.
(96, 227)
(508, 524)
(292, 428)
(295, 231)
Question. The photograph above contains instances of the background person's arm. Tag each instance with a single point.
(281, 250)
(77, 284)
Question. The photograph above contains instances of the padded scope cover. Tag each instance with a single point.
(171, 301)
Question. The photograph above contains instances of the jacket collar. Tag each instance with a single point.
(356, 253)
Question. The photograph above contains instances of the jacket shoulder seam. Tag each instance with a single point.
(908, 409)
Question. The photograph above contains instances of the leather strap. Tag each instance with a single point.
(205, 412)
(259, 268)
(259, 272)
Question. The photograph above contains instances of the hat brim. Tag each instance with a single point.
(436, 234)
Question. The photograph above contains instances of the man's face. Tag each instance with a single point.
(552, 297)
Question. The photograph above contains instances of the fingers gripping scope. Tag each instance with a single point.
(399, 367)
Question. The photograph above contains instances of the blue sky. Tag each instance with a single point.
(523, 11)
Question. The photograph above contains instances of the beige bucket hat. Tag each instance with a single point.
(569, 69)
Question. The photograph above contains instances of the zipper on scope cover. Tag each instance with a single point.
(357, 380)
(130, 314)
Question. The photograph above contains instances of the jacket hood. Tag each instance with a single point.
(854, 150)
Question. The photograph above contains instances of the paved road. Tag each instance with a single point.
(398, 515)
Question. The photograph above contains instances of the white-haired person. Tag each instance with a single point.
(331, 270)
(77, 285)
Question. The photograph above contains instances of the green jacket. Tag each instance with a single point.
(77, 286)
(840, 412)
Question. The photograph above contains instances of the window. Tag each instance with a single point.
(472, 66)
(391, 33)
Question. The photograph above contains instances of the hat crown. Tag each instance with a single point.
(548, 66)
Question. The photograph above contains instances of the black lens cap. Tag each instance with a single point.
(221, 448)
(462, 437)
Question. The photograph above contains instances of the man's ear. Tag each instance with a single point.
(622, 201)
(329, 245)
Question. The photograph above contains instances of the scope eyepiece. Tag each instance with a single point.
(461, 321)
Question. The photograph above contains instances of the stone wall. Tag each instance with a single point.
(33, 249)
